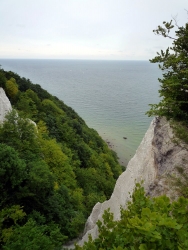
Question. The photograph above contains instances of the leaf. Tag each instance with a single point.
(143, 247)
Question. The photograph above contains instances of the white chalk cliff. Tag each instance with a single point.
(5, 105)
(155, 159)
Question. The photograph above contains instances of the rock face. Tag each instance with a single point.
(169, 155)
(140, 167)
(5, 105)
(155, 160)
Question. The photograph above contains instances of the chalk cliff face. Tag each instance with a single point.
(5, 105)
(155, 160)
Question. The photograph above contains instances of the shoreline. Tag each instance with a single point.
(111, 146)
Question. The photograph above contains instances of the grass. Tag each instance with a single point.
(180, 182)
(180, 129)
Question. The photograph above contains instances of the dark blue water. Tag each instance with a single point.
(111, 96)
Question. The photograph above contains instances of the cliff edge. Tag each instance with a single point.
(5, 105)
(155, 160)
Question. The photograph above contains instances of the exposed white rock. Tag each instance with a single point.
(140, 167)
(169, 154)
(155, 160)
(5, 105)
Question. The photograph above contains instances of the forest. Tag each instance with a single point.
(53, 169)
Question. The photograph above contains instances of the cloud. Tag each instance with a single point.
(20, 25)
(85, 29)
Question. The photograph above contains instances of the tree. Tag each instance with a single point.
(2, 79)
(31, 236)
(58, 163)
(147, 223)
(21, 134)
(174, 84)
(11, 88)
(27, 103)
(12, 173)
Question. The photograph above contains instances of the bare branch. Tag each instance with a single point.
(186, 11)
(175, 20)
(171, 37)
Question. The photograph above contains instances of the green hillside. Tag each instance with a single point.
(52, 173)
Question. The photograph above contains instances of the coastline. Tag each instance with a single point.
(122, 161)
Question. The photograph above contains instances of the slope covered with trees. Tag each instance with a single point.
(52, 173)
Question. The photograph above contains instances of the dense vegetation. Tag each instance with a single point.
(174, 84)
(52, 171)
(156, 223)
(146, 224)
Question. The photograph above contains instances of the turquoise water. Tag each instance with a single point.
(111, 96)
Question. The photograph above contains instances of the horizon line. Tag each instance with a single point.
(78, 59)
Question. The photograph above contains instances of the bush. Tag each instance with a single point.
(147, 223)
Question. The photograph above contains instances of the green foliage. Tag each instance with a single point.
(180, 182)
(54, 171)
(11, 88)
(51, 107)
(58, 162)
(147, 223)
(33, 237)
(20, 134)
(2, 80)
(9, 216)
(180, 130)
(27, 104)
(12, 173)
(174, 84)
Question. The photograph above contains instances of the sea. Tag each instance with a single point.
(111, 96)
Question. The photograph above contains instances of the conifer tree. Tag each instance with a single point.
(174, 64)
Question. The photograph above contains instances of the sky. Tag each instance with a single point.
(86, 29)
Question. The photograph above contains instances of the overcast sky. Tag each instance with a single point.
(85, 29)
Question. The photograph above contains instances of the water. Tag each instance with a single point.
(111, 96)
